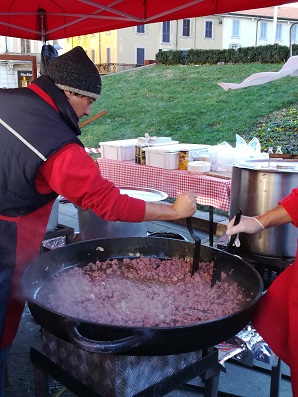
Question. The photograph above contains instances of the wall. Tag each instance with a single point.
(89, 42)
(250, 32)
(109, 40)
(124, 45)
(247, 32)
(129, 40)
(204, 43)
(8, 77)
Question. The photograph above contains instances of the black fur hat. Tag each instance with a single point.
(74, 71)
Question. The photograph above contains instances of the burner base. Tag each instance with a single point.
(96, 374)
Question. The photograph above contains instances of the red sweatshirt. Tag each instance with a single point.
(290, 204)
(276, 318)
(73, 174)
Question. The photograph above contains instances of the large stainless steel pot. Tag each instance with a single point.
(144, 341)
(53, 219)
(92, 226)
(257, 186)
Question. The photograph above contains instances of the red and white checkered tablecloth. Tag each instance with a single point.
(211, 190)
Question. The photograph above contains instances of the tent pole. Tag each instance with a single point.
(43, 26)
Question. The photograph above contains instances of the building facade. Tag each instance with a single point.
(247, 28)
(16, 72)
(252, 28)
(119, 49)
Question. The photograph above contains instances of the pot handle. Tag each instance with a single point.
(139, 337)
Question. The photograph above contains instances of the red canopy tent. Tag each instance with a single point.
(51, 19)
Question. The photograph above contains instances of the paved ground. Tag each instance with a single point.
(237, 381)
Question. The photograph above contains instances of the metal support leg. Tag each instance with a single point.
(44, 367)
(211, 225)
(211, 378)
(41, 381)
(275, 380)
(211, 386)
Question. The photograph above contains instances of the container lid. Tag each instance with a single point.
(134, 142)
(120, 143)
(143, 193)
(269, 165)
(177, 147)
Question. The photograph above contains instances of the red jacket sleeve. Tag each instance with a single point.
(290, 204)
(73, 174)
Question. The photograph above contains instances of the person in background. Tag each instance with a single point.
(276, 318)
(42, 157)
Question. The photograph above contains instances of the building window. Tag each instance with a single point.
(186, 27)
(278, 35)
(294, 33)
(140, 56)
(140, 29)
(263, 31)
(166, 32)
(208, 29)
(235, 28)
(25, 46)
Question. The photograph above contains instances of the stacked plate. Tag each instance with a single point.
(197, 167)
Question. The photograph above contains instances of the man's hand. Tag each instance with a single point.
(185, 204)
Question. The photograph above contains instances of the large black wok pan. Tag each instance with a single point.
(144, 341)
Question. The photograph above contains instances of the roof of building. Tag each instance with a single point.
(290, 13)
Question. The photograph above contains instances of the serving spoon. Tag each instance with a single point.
(197, 249)
(217, 267)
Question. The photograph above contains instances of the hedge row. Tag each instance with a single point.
(264, 54)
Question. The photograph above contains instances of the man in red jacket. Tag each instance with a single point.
(276, 318)
(42, 157)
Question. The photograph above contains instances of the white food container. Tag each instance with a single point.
(125, 149)
(168, 156)
(162, 159)
(118, 150)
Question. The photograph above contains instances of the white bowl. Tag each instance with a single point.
(198, 167)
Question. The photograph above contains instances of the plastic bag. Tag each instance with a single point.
(246, 151)
(222, 156)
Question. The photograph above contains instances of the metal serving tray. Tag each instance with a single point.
(143, 193)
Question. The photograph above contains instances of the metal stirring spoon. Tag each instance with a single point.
(197, 249)
(217, 267)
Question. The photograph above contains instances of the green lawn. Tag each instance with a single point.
(186, 103)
